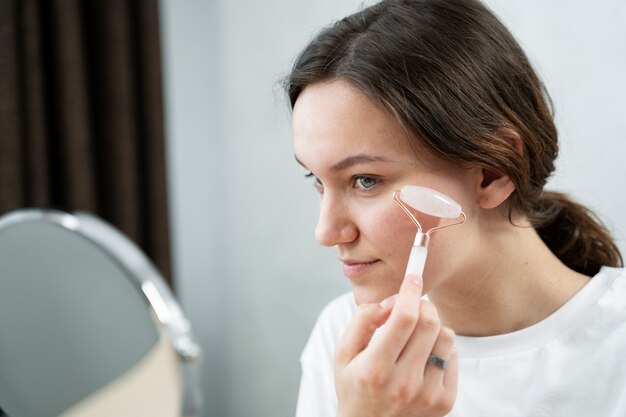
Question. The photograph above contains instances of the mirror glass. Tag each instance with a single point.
(87, 324)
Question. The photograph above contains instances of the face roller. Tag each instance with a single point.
(432, 203)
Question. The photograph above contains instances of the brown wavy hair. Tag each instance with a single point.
(455, 78)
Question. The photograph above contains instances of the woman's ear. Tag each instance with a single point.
(495, 186)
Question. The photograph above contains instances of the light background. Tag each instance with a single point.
(249, 273)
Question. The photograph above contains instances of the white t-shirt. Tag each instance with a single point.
(571, 364)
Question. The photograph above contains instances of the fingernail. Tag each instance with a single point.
(417, 279)
(389, 301)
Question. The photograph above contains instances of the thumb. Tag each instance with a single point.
(356, 337)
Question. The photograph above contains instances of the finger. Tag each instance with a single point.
(402, 321)
(423, 340)
(451, 379)
(434, 375)
(360, 329)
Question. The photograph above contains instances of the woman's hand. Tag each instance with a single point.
(390, 376)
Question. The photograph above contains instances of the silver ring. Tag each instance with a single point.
(438, 362)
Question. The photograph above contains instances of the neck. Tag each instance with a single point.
(524, 285)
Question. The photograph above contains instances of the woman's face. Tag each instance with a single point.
(358, 155)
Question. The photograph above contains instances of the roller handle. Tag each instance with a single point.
(417, 260)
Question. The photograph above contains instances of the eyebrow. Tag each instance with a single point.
(353, 160)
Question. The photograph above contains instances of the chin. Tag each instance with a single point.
(371, 295)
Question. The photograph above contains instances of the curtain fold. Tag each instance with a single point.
(81, 114)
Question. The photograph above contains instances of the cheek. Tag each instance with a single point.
(392, 232)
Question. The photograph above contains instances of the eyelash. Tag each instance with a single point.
(320, 187)
(317, 184)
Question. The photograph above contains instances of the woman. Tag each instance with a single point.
(526, 304)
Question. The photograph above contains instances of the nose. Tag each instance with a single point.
(335, 224)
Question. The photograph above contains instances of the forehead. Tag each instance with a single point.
(332, 120)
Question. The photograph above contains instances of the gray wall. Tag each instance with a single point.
(248, 271)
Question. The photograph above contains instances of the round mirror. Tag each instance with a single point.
(88, 326)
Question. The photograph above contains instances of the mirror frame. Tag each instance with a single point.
(143, 275)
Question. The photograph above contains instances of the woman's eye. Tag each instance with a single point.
(365, 182)
(317, 183)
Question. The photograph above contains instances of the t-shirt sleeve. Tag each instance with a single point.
(316, 396)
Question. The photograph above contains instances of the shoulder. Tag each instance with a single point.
(598, 313)
(329, 327)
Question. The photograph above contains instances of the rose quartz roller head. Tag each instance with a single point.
(432, 203)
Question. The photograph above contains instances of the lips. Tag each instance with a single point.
(354, 268)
